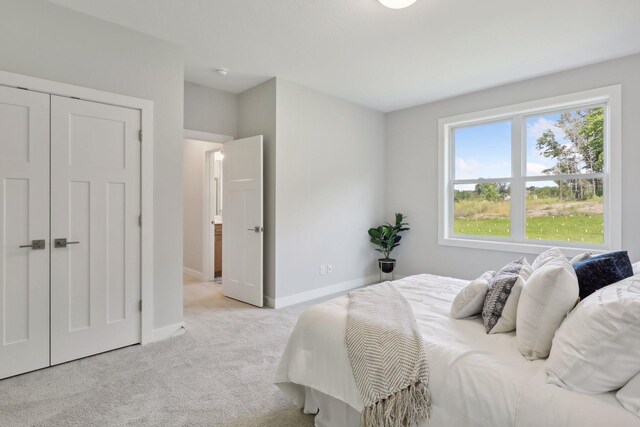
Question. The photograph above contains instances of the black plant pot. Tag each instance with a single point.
(386, 265)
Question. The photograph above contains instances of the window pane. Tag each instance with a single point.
(483, 151)
(570, 211)
(482, 210)
(566, 143)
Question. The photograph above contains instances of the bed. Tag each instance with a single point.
(475, 379)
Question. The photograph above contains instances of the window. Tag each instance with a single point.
(543, 173)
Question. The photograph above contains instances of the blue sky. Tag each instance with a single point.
(484, 151)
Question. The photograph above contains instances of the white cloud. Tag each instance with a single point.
(540, 126)
(471, 169)
(535, 168)
(467, 168)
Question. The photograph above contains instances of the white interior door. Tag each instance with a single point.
(242, 236)
(95, 183)
(24, 217)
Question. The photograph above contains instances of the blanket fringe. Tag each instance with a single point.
(402, 409)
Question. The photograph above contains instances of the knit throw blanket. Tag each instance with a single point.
(388, 358)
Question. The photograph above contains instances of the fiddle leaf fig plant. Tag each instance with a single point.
(387, 236)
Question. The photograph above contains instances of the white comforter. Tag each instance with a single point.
(475, 379)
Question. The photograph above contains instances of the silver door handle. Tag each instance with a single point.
(62, 243)
(256, 229)
(35, 244)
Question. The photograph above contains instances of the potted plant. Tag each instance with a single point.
(386, 237)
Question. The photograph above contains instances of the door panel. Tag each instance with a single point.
(242, 242)
(95, 175)
(24, 216)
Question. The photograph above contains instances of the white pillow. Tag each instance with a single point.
(636, 268)
(470, 299)
(580, 257)
(546, 256)
(629, 395)
(597, 347)
(501, 303)
(549, 294)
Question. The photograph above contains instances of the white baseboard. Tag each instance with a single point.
(198, 275)
(169, 331)
(318, 293)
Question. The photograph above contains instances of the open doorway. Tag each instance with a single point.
(214, 165)
(223, 214)
(202, 165)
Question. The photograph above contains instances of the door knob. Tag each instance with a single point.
(62, 243)
(35, 244)
(256, 229)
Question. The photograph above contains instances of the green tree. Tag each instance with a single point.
(584, 129)
(592, 131)
(488, 192)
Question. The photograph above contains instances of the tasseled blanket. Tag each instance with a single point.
(388, 358)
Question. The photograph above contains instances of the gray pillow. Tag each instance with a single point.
(501, 302)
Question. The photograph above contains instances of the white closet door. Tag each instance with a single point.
(24, 217)
(95, 187)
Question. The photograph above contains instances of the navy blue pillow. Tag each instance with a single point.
(622, 262)
(595, 273)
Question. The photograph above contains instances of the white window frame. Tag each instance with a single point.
(608, 97)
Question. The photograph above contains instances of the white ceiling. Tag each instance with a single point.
(386, 59)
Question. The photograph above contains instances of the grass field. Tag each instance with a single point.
(576, 228)
(547, 219)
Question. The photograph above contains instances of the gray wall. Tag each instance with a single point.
(47, 41)
(210, 110)
(329, 190)
(257, 116)
(412, 174)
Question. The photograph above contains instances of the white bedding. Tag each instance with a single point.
(476, 379)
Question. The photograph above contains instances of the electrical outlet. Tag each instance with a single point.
(329, 268)
(323, 269)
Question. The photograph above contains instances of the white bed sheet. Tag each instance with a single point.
(476, 379)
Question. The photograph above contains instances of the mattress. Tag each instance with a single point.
(476, 379)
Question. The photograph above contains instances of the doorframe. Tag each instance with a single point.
(207, 244)
(146, 172)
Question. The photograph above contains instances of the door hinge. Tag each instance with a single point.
(140, 305)
(140, 220)
(140, 135)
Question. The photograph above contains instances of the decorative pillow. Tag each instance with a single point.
(629, 395)
(622, 262)
(596, 273)
(501, 302)
(549, 294)
(580, 257)
(470, 300)
(597, 347)
(546, 256)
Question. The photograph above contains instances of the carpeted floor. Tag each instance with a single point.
(219, 373)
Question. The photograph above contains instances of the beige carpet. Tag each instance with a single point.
(219, 373)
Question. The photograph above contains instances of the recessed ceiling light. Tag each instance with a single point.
(397, 4)
(223, 71)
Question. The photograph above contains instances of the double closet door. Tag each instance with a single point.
(69, 229)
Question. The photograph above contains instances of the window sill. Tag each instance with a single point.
(570, 249)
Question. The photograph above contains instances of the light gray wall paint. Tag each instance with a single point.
(47, 41)
(210, 110)
(195, 234)
(257, 116)
(412, 174)
(330, 188)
